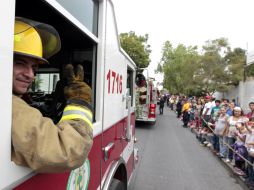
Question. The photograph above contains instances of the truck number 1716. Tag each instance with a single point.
(114, 81)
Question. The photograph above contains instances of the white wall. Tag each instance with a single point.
(243, 93)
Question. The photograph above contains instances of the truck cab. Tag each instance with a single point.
(89, 37)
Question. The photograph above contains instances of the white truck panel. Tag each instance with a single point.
(114, 104)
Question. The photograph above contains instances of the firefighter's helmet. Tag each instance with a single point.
(35, 40)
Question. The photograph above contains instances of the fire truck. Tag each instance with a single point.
(89, 37)
(146, 97)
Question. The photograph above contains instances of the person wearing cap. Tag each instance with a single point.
(206, 114)
(36, 141)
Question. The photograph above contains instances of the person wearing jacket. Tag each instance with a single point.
(185, 112)
(161, 107)
(36, 141)
(179, 106)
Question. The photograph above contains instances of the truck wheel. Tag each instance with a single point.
(116, 185)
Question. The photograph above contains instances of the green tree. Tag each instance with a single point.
(216, 68)
(249, 70)
(137, 48)
(220, 67)
(178, 65)
(213, 73)
(235, 63)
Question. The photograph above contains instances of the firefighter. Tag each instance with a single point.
(36, 141)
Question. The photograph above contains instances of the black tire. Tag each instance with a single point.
(116, 185)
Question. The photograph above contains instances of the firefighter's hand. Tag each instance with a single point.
(76, 89)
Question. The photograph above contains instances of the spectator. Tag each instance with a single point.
(172, 102)
(236, 104)
(225, 103)
(230, 129)
(167, 100)
(249, 144)
(219, 128)
(179, 107)
(215, 111)
(192, 112)
(214, 117)
(198, 113)
(250, 115)
(185, 112)
(162, 102)
(230, 109)
(206, 116)
(240, 149)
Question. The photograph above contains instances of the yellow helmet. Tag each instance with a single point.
(35, 40)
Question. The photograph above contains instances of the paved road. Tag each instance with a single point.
(171, 158)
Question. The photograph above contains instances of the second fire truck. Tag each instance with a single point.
(146, 97)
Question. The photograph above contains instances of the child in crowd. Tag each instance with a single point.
(249, 144)
(240, 149)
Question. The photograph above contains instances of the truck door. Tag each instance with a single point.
(115, 98)
(79, 37)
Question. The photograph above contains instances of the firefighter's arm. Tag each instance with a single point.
(45, 147)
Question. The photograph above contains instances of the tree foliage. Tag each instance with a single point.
(178, 67)
(235, 61)
(249, 70)
(187, 71)
(137, 48)
(212, 74)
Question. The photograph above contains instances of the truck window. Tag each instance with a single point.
(130, 83)
(45, 83)
(85, 11)
(77, 47)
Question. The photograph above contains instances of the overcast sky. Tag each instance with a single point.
(190, 22)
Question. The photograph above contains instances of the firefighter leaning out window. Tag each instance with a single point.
(36, 141)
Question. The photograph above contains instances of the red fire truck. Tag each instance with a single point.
(89, 37)
(146, 97)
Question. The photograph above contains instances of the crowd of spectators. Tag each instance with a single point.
(222, 126)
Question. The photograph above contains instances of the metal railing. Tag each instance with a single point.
(229, 146)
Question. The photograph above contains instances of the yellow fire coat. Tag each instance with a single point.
(45, 147)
